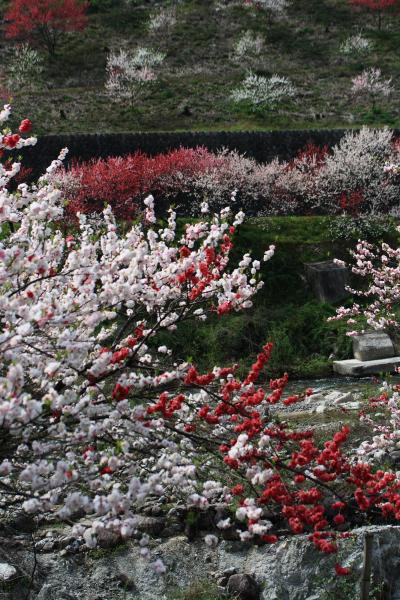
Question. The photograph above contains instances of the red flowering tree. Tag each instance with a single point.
(376, 6)
(45, 20)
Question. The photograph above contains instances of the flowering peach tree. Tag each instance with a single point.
(97, 417)
(378, 305)
(370, 83)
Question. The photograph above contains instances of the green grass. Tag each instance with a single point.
(199, 73)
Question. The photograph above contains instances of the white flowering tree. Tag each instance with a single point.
(273, 8)
(248, 47)
(264, 92)
(163, 18)
(372, 85)
(355, 46)
(130, 72)
(25, 68)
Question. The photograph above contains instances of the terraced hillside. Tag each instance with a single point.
(200, 69)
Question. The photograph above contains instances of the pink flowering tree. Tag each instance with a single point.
(377, 308)
(379, 296)
(371, 84)
(97, 418)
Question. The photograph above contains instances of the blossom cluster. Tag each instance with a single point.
(382, 416)
(274, 7)
(80, 312)
(248, 46)
(163, 18)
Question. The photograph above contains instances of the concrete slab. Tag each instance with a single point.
(328, 280)
(358, 368)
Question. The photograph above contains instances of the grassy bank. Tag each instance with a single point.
(199, 73)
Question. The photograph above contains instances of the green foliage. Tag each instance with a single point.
(99, 5)
(371, 227)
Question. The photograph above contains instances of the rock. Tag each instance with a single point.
(230, 571)
(394, 457)
(46, 545)
(291, 569)
(328, 280)
(316, 397)
(7, 572)
(65, 541)
(336, 397)
(358, 368)
(243, 587)
(150, 525)
(20, 522)
(372, 346)
(321, 408)
(178, 512)
(172, 530)
(152, 511)
(107, 538)
(127, 581)
(351, 405)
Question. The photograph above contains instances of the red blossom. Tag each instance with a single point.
(341, 571)
(25, 126)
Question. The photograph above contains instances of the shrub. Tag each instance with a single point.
(371, 84)
(349, 179)
(356, 45)
(356, 164)
(248, 46)
(124, 182)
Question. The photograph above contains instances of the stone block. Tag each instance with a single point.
(328, 280)
(372, 346)
(7, 571)
(358, 368)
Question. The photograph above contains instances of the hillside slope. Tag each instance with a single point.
(199, 73)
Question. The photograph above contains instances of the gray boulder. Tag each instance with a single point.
(372, 346)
